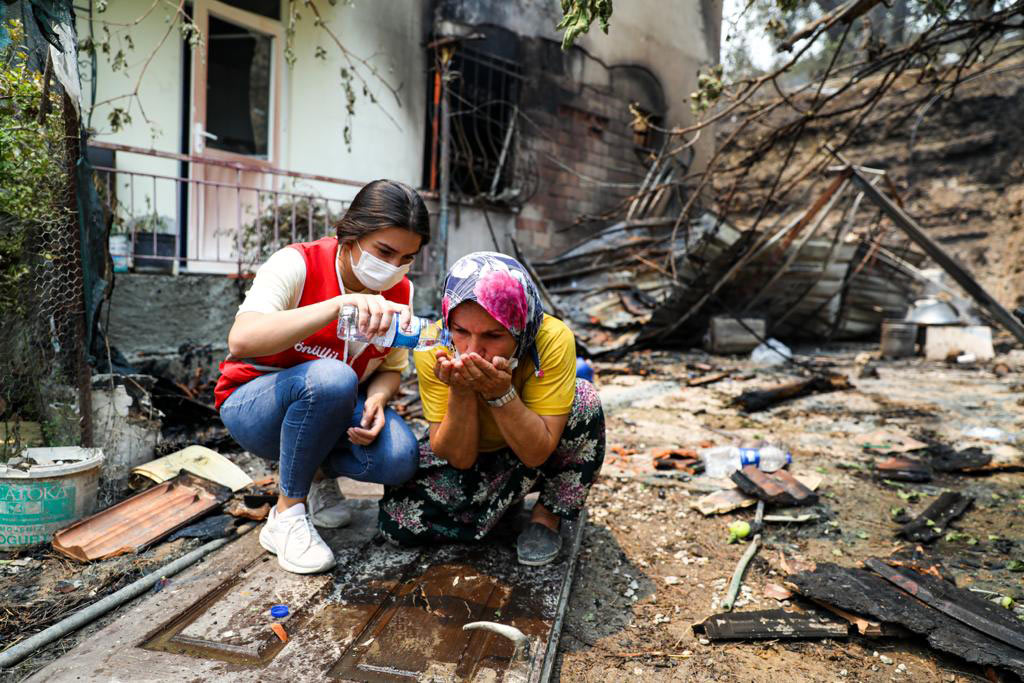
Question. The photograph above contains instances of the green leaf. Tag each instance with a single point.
(578, 15)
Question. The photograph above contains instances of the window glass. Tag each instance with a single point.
(238, 88)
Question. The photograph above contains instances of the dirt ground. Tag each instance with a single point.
(651, 566)
(39, 586)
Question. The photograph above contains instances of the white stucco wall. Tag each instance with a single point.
(387, 139)
(674, 39)
(381, 147)
(159, 100)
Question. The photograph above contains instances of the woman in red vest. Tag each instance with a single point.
(292, 391)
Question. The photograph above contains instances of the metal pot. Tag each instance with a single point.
(933, 312)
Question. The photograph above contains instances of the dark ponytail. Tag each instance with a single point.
(384, 204)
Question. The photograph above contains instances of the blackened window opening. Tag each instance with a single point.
(238, 84)
(483, 97)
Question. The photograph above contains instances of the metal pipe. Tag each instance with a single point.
(18, 652)
(262, 168)
(741, 566)
(518, 638)
(504, 150)
(446, 163)
(519, 663)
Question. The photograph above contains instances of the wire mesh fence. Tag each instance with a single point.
(41, 304)
(41, 337)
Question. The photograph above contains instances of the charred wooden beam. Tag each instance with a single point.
(932, 523)
(706, 379)
(947, 459)
(761, 399)
(903, 469)
(864, 592)
(962, 605)
(769, 625)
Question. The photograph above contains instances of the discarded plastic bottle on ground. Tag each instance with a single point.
(771, 352)
(721, 461)
(420, 334)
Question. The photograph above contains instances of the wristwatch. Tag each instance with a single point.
(504, 399)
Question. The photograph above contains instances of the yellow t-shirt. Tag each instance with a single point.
(551, 394)
(397, 360)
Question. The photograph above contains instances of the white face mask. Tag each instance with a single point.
(375, 273)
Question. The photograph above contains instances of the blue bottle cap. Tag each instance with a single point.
(279, 611)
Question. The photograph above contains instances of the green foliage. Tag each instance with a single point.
(709, 88)
(31, 171)
(578, 15)
(258, 241)
(30, 152)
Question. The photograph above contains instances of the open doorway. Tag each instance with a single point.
(233, 122)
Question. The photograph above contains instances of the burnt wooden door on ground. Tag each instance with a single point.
(385, 615)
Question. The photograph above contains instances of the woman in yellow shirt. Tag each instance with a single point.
(507, 416)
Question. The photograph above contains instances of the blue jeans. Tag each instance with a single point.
(300, 416)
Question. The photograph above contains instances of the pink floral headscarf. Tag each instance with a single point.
(502, 286)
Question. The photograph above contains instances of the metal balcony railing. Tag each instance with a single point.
(174, 212)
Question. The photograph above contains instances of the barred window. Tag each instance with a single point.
(483, 101)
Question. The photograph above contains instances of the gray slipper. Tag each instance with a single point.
(538, 545)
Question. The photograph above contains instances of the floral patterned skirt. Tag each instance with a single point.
(441, 502)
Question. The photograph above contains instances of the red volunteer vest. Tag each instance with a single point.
(321, 284)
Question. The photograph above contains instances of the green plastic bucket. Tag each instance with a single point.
(58, 489)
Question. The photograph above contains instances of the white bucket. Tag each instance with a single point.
(120, 248)
(58, 490)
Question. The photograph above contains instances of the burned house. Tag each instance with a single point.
(257, 134)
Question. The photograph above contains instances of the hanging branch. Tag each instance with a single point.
(352, 72)
(768, 153)
(120, 37)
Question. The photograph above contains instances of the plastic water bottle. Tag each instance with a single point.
(721, 461)
(419, 335)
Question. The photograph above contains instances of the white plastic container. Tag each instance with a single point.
(772, 352)
(56, 491)
(120, 252)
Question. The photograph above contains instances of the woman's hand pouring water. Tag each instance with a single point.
(375, 312)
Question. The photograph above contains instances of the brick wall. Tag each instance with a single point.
(582, 125)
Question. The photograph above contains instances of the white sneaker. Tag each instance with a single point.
(292, 537)
(325, 505)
